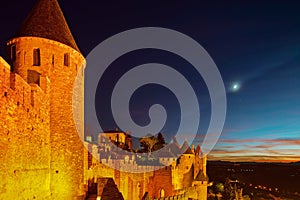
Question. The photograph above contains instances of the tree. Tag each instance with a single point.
(161, 142)
(161, 138)
(148, 143)
(219, 188)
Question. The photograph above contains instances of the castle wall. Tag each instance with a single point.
(42, 121)
(43, 156)
(133, 186)
(198, 192)
(183, 173)
(198, 163)
(24, 138)
(161, 180)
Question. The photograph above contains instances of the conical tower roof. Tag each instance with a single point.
(201, 176)
(174, 148)
(198, 150)
(186, 149)
(46, 20)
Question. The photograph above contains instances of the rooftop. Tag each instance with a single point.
(46, 20)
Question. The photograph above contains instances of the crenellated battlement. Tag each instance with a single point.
(128, 165)
(178, 180)
(190, 193)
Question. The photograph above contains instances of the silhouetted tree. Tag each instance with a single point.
(161, 142)
(161, 138)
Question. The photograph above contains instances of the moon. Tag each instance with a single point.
(235, 87)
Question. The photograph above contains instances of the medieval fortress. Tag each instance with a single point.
(41, 153)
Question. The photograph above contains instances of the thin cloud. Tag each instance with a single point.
(255, 158)
(286, 141)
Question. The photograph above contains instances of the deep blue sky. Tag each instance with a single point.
(256, 45)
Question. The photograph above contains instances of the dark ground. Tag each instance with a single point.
(260, 179)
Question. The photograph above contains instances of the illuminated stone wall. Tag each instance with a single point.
(24, 137)
(161, 180)
(182, 175)
(199, 191)
(116, 137)
(41, 155)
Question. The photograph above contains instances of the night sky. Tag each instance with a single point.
(256, 47)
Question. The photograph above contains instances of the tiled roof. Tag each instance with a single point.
(198, 150)
(46, 20)
(201, 176)
(185, 149)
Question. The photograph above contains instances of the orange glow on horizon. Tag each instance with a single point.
(268, 159)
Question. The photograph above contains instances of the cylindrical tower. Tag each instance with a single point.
(45, 51)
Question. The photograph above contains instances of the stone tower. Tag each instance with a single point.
(45, 53)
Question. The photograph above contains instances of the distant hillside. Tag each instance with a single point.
(296, 163)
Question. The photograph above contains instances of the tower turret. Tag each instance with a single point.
(45, 52)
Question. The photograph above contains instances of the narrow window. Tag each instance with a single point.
(66, 59)
(52, 59)
(13, 53)
(36, 57)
